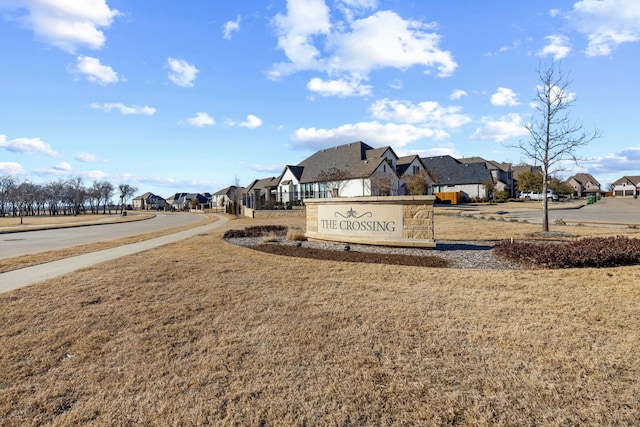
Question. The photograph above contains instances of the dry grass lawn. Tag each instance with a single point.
(207, 333)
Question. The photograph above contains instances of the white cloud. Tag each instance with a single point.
(27, 146)
(431, 152)
(558, 47)
(506, 127)
(504, 97)
(60, 171)
(385, 39)
(457, 94)
(396, 84)
(124, 109)
(11, 168)
(274, 169)
(304, 20)
(94, 71)
(350, 8)
(201, 119)
(85, 157)
(340, 87)
(554, 12)
(351, 50)
(375, 133)
(63, 166)
(182, 73)
(251, 122)
(606, 23)
(231, 27)
(428, 113)
(627, 162)
(360, 4)
(65, 24)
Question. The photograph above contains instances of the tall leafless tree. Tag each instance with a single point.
(126, 191)
(554, 139)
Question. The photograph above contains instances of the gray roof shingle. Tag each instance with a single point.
(449, 171)
(354, 159)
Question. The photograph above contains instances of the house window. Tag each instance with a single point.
(323, 191)
(307, 191)
(416, 169)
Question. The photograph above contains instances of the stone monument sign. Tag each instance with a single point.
(386, 221)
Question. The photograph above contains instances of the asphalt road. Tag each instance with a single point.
(30, 242)
(611, 210)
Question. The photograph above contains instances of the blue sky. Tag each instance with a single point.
(189, 96)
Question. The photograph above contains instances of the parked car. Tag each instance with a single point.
(535, 195)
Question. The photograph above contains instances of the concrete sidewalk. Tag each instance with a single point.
(38, 273)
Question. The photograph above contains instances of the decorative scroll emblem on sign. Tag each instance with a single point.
(353, 214)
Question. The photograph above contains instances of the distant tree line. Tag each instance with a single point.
(61, 197)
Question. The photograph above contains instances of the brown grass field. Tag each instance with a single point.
(203, 332)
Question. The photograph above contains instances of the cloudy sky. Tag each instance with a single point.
(173, 96)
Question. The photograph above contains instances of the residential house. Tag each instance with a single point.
(176, 201)
(626, 186)
(187, 201)
(261, 193)
(584, 185)
(451, 175)
(229, 199)
(412, 165)
(501, 173)
(148, 201)
(349, 170)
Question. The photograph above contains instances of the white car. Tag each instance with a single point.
(535, 195)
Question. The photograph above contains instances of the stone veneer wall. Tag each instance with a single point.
(417, 217)
(272, 213)
(418, 222)
(312, 218)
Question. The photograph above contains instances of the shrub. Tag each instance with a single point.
(501, 196)
(596, 252)
(257, 231)
(270, 238)
(296, 235)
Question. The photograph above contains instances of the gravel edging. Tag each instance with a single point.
(460, 254)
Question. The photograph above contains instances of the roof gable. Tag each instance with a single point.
(350, 158)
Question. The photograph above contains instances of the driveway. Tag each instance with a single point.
(38, 273)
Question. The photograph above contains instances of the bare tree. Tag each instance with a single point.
(490, 188)
(381, 184)
(418, 183)
(335, 179)
(554, 138)
(7, 184)
(235, 196)
(77, 194)
(126, 191)
(103, 191)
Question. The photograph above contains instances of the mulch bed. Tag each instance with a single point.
(352, 256)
